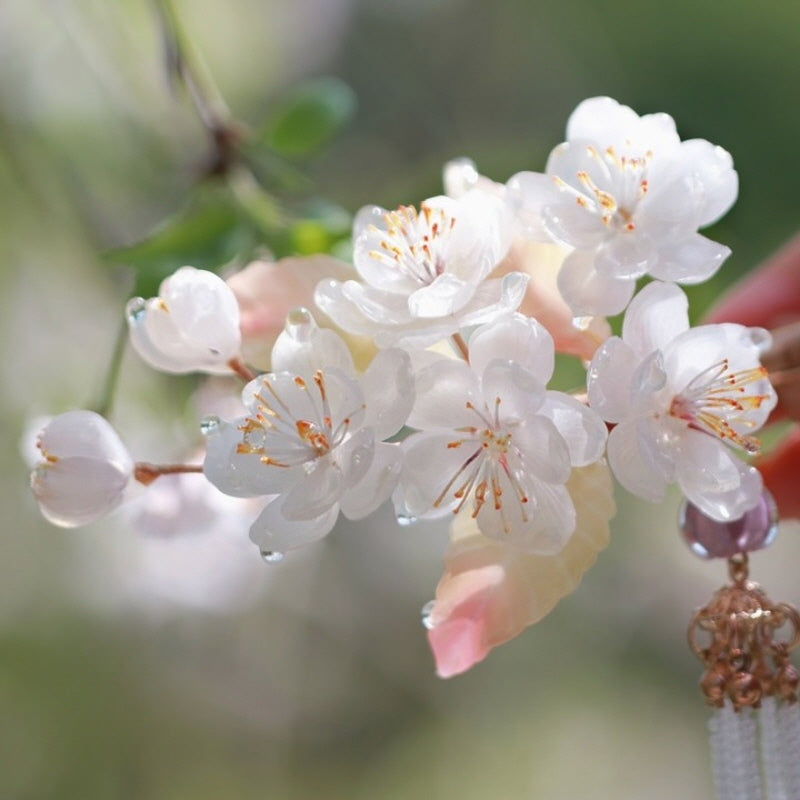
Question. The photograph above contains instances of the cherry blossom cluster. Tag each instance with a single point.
(418, 375)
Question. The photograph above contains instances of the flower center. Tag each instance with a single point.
(625, 182)
(479, 475)
(280, 437)
(716, 400)
(414, 243)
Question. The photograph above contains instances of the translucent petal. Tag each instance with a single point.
(609, 379)
(626, 255)
(580, 427)
(706, 465)
(529, 193)
(658, 314)
(446, 295)
(84, 433)
(689, 260)
(724, 506)
(354, 457)
(542, 525)
(494, 298)
(510, 393)
(712, 167)
(303, 347)
(515, 338)
(388, 389)
(573, 225)
(544, 453)
(243, 474)
(636, 473)
(589, 292)
(443, 390)
(314, 495)
(78, 490)
(273, 532)
(377, 485)
(204, 310)
(436, 465)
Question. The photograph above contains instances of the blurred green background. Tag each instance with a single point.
(141, 667)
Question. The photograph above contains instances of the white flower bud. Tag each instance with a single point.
(84, 469)
(192, 326)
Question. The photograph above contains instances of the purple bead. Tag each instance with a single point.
(708, 538)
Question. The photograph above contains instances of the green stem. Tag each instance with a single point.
(103, 405)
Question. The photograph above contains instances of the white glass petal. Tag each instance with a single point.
(580, 426)
(204, 310)
(303, 347)
(706, 465)
(459, 176)
(354, 457)
(510, 393)
(274, 533)
(443, 390)
(626, 255)
(494, 298)
(529, 193)
(542, 525)
(316, 492)
(636, 473)
(446, 295)
(377, 485)
(725, 506)
(84, 433)
(712, 167)
(689, 260)
(609, 379)
(437, 465)
(544, 453)
(78, 490)
(655, 316)
(587, 291)
(514, 338)
(388, 389)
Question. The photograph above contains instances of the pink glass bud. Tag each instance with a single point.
(708, 538)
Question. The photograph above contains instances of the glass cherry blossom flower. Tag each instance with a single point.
(629, 197)
(192, 326)
(313, 436)
(424, 274)
(680, 399)
(84, 469)
(493, 440)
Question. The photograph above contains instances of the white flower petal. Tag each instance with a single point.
(544, 452)
(443, 390)
(730, 505)
(494, 298)
(706, 465)
(446, 295)
(377, 485)
(609, 379)
(543, 525)
(689, 260)
(84, 433)
(274, 533)
(388, 388)
(587, 291)
(637, 474)
(657, 314)
(625, 256)
(511, 394)
(315, 494)
(580, 426)
(515, 338)
(242, 474)
(303, 347)
(78, 490)
(354, 457)
(529, 193)
(434, 468)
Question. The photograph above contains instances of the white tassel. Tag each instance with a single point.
(734, 754)
(789, 746)
(771, 752)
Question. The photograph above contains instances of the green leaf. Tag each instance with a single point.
(310, 116)
(207, 234)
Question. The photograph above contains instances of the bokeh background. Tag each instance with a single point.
(136, 666)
